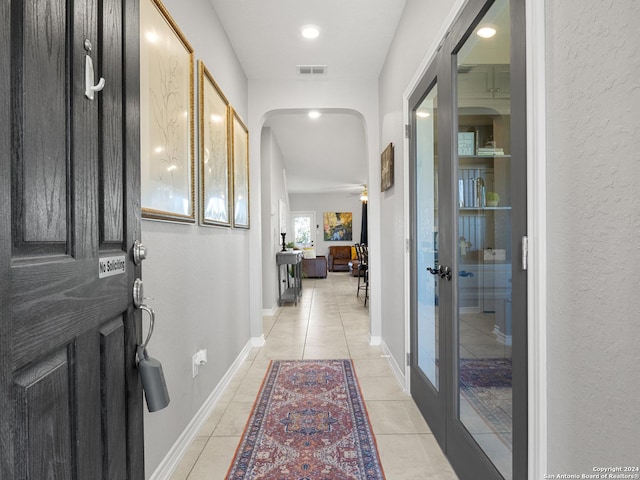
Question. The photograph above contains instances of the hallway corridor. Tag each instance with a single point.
(328, 322)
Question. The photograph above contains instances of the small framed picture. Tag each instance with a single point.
(386, 168)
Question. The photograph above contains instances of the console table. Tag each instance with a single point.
(293, 286)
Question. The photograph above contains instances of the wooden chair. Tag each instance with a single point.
(362, 252)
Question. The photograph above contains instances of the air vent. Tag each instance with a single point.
(311, 70)
(465, 68)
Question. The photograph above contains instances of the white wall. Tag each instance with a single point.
(198, 276)
(593, 135)
(329, 202)
(274, 190)
(419, 28)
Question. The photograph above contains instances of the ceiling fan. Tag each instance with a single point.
(363, 194)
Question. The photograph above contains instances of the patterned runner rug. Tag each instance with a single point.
(309, 422)
(486, 384)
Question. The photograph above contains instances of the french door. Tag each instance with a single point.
(468, 217)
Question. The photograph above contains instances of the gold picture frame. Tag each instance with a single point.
(215, 171)
(386, 168)
(239, 136)
(166, 117)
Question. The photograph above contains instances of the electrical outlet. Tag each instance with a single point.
(199, 358)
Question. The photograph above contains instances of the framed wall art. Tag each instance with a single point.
(338, 226)
(215, 198)
(240, 159)
(386, 168)
(166, 117)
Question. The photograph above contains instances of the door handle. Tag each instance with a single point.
(139, 252)
(138, 302)
(444, 272)
(435, 271)
(151, 373)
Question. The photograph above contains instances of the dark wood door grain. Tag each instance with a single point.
(70, 396)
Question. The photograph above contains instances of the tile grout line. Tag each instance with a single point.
(306, 333)
(199, 455)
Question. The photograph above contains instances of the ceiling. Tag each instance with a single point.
(327, 154)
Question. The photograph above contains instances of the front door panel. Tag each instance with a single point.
(70, 390)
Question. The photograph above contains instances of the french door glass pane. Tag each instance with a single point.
(484, 236)
(427, 235)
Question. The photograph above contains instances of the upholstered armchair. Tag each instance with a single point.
(339, 258)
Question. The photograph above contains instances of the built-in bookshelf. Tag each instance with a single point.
(484, 199)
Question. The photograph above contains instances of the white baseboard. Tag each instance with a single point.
(375, 341)
(397, 370)
(258, 341)
(470, 310)
(173, 458)
(270, 312)
(501, 337)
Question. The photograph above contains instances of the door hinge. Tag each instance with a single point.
(407, 131)
(525, 252)
(408, 359)
(408, 245)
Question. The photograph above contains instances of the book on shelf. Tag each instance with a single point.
(490, 151)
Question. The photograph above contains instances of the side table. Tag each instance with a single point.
(293, 287)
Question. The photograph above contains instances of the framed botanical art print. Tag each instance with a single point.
(240, 156)
(215, 198)
(386, 168)
(166, 117)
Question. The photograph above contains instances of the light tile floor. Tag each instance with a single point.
(328, 322)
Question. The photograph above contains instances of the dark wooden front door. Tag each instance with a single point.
(70, 397)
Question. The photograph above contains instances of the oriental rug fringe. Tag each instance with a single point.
(309, 422)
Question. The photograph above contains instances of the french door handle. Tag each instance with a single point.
(435, 271)
(444, 272)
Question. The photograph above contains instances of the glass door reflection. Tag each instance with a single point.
(426, 188)
(484, 255)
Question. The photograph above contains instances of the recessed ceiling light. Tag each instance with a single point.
(314, 114)
(486, 32)
(310, 31)
(422, 114)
